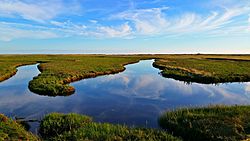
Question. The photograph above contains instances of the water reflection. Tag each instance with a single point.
(134, 97)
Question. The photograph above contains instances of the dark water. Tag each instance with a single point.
(135, 97)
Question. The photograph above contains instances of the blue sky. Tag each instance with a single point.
(125, 26)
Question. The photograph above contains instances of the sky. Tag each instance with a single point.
(124, 26)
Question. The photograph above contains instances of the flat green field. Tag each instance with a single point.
(206, 68)
(57, 71)
(9, 63)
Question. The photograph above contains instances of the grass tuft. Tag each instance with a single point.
(11, 130)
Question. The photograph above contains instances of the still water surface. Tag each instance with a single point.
(135, 97)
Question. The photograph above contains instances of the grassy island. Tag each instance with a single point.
(62, 70)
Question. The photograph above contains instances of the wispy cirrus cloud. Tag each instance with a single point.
(155, 21)
(146, 21)
(38, 11)
(10, 31)
(93, 30)
(123, 30)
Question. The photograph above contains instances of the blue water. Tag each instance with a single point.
(135, 97)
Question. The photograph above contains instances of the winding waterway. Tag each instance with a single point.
(135, 97)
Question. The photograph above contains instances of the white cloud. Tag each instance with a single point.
(156, 21)
(93, 21)
(97, 31)
(146, 21)
(229, 14)
(36, 11)
(9, 32)
(118, 31)
(69, 26)
(183, 23)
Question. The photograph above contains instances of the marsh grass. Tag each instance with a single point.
(11, 130)
(215, 123)
(57, 71)
(202, 70)
(78, 127)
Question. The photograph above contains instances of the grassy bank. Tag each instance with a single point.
(218, 123)
(78, 127)
(205, 69)
(9, 63)
(11, 130)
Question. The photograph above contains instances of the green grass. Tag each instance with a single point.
(205, 70)
(78, 127)
(11, 130)
(217, 123)
(56, 124)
